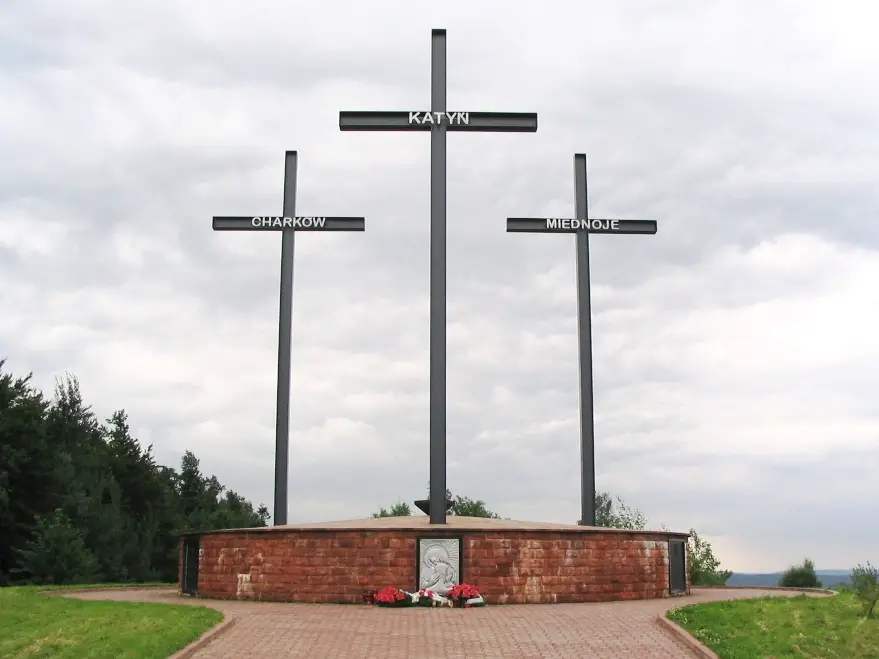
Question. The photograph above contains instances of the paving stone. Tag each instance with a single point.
(624, 630)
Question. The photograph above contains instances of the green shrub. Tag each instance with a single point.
(704, 566)
(800, 576)
(865, 583)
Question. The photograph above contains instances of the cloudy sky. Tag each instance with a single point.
(736, 352)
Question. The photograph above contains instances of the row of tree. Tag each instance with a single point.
(610, 512)
(82, 501)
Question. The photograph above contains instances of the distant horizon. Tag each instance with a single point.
(781, 571)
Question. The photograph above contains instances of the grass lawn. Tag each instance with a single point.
(776, 627)
(34, 626)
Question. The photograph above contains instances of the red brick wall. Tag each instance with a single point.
(567, 567)
(508, 567)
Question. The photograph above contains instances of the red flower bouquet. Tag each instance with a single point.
(465, 595)
(462, 591)
(390, 596)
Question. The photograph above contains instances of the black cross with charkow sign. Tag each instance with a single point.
(438, 121)
(289, 225)
(582, 225)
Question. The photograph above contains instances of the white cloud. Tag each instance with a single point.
(734, 352)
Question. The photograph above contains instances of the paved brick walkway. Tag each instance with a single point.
(625, 630)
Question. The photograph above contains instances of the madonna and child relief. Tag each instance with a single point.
(439, 564)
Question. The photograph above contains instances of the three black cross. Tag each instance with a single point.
(437, 121)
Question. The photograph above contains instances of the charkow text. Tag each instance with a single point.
(455, 118)
(289, 222)
(589, 225)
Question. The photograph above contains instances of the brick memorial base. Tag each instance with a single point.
(509, 562)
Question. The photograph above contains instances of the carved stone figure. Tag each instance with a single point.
(439, 564)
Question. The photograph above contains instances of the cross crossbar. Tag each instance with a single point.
(575, 225)
(297, 223)
(406, 120)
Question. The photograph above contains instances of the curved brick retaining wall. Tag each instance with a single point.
(509, 562)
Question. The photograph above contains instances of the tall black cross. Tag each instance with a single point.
(288, 224)
(582, 225)
(438, 120)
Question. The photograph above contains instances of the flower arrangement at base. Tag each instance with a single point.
(390, 596)
(465, 595)
(430, 598)
(462, 596)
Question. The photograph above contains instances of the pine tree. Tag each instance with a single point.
(57, 553)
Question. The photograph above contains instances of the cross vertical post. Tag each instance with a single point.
(288, 224)
(584, 332)
(438, 120)
(285, 339)
(438, 281)
(582, 225)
